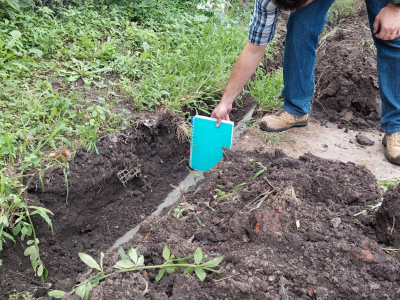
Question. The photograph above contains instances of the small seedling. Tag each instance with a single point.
(263, 169)
(199, 222)
(275, 138)
(222, 195)
(240, 185)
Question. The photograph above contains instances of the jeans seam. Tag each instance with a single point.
(292, 112)
(391, 131)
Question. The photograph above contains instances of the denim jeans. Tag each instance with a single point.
(303, 29)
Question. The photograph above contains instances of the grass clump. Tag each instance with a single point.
(266, 88)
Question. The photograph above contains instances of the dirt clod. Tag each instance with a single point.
(363, 140)
(388, 218)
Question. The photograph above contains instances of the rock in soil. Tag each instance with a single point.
(363, 140)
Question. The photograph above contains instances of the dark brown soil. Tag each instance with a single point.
(332, 255)
(388, 218)
(347, 90)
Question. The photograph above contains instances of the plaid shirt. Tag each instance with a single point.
(263, 22)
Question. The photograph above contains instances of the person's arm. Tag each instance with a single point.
(244, 68)
(388, 23)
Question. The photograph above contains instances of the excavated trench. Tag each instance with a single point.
(137, 174)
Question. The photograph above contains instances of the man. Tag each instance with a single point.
(305, 23)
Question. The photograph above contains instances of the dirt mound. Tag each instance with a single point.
(388, 218)
(331, 255)
(347, 90)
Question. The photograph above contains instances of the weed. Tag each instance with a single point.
(266, 88)
(222, 195)
(273, 139)
(22, 296)
(15, 214)
(384, 185)
(135, 262)
(262, 169)
(371, 207)
(341, 9)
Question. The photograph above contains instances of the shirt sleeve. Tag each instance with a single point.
(263, 23)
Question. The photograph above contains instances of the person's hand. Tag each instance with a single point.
(388, 21)
(221, 112)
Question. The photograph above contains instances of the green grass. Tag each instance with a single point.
(266, 88)
(342, 8)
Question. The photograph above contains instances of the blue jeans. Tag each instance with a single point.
(303, 29)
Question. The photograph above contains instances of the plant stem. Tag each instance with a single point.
(166, 266)
(34, 239)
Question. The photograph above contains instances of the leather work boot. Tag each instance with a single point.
(392, 144)
(281, 121)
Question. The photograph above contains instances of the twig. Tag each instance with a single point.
(364, 26)
(226, 278)
(391, 231)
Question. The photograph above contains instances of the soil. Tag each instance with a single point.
(348, 91)
(314, 236)
(332, 254)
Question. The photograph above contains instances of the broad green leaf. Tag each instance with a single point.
(140, 261)
(201, 274)
(198, 256)
(170, 270)
(40, 270)
(133, 255)
(124, 264)
(188, 270)
(122, 254)
(160, 274)
(81, 290)
(166, 253)
(87, 259)
(4, 220)
(29, 250)
(89, 287)
(14, 4)
(38, 52)
(17, 229)
(56, 294)
(212, 263)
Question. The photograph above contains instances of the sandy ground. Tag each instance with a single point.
(327, 142)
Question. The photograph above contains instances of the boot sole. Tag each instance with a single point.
(299, 124)
(392, 160)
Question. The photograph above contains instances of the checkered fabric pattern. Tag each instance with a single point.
(263, 22)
